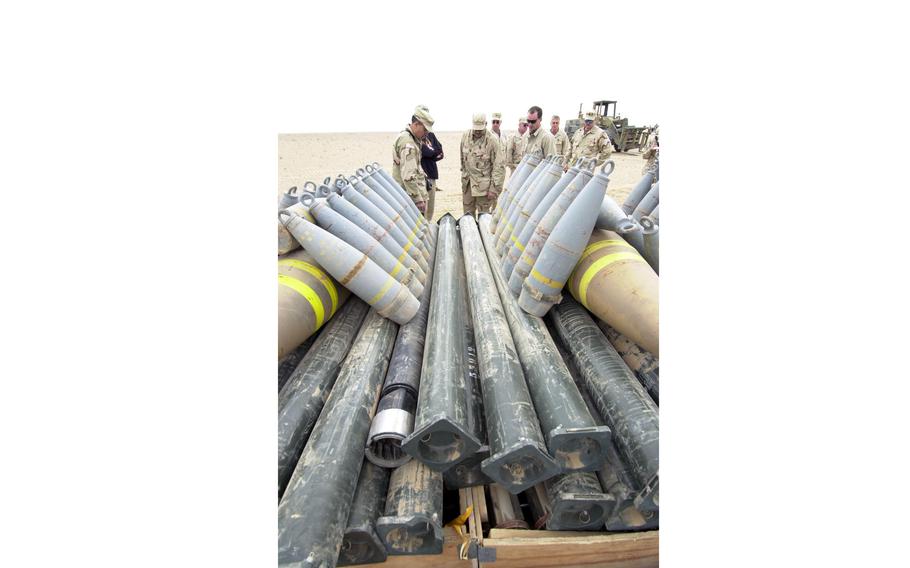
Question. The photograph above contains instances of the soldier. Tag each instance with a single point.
(515, 146)
(406, 157)
(482, 170)
(540, 141)
(590, 141)
(497, 121)
(651, 153)
(563, 146)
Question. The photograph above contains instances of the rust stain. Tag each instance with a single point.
(350, 275)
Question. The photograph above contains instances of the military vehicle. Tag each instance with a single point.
(623, 136)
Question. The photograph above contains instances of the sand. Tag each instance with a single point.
(313, 157)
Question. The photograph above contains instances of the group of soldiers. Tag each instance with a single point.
(485, 154)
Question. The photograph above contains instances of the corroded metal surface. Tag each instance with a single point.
(577, 502)
(412, 523)
(574, 440)
(361, 543)
(313, 513)
(303, 397)
(645, 365)
(519, 457)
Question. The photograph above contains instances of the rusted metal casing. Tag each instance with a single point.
(412, 523)
(638, 192)
(394, 184)
(375, 182)
(303, 397)
(373, 196)
(577, 502)
(548, 171)
(504, 227)
(616, 283)
(565, 245)
(354, 270)
(313, 513)
(308, 297)
(442, 436)
(362, 220)
(553, 180)
(399, 200)
(541, 232)
(519, 457)
(333, 222)
(620, 399)
(645, 365)
(361, 543)
(573, 439)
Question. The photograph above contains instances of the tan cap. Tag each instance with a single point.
(522, 120)
(497, 116)
(589, 115)
(424, 117)
(479, 121)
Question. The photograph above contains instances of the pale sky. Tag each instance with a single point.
(494, 64)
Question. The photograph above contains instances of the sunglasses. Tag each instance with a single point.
(532, 121)
(495, 122)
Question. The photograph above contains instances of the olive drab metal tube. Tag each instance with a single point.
(527, 230)
(412, 523)
(308, 297)
(565, 245)
(442, 437)
(614, 474)
(411, 232)
(552, 177)
(407, 244)
(620, 399)
(538, 237)
(573, 438)
(616, 283)
(394, 419)
(354, 270)
(519, 457)
(362, 220)
(645, 366)
(651, 237)
(648, 202)
(468, 473)
(638, 192)
(525, 168)
(577, 502)
(504, 227)
(334, 223)
(313, 513)
(361, 543)
(303, 397)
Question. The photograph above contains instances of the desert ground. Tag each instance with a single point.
(313, 157)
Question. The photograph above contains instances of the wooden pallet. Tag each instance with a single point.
(515, 548)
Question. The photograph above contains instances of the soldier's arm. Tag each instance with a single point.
(605, 149)
(464, 172)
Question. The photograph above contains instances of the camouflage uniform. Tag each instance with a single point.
(650, 153)
(593, 144)
(540, 143)
(406, 166)
(515, 149)
(563, 145)
(482, 172)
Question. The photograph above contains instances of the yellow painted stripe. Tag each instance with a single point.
(319, 274)
(594, 247)
(382, 291)
(599, 265)
(397, 268)
(527, 260)
(403, 256)
(520, 246)
(544, 280)
(308, 293)
(407, 246)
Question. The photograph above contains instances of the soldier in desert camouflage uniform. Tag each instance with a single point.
(563, 145)
(539, 140)
(650, 153)
(497, 123)
(482, 170)
(406, 157)
(515, 146)
(590, 141)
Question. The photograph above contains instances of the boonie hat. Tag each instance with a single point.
(424, 117)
